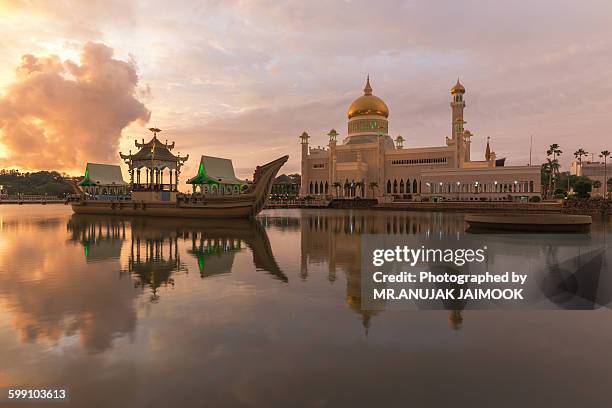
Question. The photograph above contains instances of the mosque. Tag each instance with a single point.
(369, 163)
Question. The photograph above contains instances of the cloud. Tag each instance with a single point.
(60, 115)
(101, 310)
(232, 77)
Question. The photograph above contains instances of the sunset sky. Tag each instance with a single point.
(79, 80)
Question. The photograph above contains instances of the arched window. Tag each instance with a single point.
(320, 187)
(414, 186)
(401, 186)
(395, 186)
(388, 186)
(326, 187)
(408, 186)
(316, 187)
(311, 188)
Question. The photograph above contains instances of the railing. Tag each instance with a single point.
(30, 198)
(154, 187)
(298, 203)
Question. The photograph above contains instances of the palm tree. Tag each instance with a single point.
(373, 185)
(546, 172)
(360, 185)
(337, 185)
(551, 167)
(605, 154)
(554, 151)
(554, 165)
(578, 155)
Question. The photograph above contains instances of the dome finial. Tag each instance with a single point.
(368, 88)
(458, 88)
(368, 104)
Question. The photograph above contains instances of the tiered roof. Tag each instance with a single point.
(215, 170)
(153, 150)
(97, 174)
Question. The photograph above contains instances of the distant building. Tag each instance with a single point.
(216, 176)
(594, 171)
(103, 180)
(286, 185)
(368, 162)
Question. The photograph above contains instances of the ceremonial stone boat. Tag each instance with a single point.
(529, 222)
(150, 203)
(149, 195)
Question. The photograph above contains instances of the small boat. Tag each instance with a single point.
(529, 222)
(243, 205)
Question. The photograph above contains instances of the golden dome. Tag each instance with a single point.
(368, 104)
(458, 88)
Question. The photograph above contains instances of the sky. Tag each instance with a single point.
(80, 80)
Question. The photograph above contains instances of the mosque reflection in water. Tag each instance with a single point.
(327, 238)
(329, 241)
(333, 238)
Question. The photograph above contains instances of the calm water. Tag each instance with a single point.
(160, 313)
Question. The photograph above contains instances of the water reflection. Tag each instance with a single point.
(334, 238)
(147, 312)
(101, 240)
(154, 257)
(53, 296)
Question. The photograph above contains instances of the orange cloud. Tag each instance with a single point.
(59, 115)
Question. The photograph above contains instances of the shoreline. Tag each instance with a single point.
(473, 207)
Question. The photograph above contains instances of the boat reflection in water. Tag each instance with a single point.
(265, 313)
(329, 243)
(154, 256)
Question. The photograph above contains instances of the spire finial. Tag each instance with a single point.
(488, 150)
(155, 131)
(368, 88)
(458, 87)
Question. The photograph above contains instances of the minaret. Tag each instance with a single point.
(304, 185)
(467, 144)
(333, 135)
(457, 105)
(381, 158)
(399, 142)
(490, 155)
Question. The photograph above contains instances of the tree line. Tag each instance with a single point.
(52, 183)
(556, 184)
